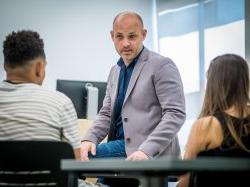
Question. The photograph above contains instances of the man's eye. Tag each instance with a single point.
(119, 37)
(132, 36)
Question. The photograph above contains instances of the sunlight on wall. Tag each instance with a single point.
(184, 51)
(228, 38)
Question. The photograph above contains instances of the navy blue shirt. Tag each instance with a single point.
(124, 78)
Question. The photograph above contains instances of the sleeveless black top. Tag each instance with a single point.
(228, 148)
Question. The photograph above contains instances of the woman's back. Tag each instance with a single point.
(222, 128)
(227, 148)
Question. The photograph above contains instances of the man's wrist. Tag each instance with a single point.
(146, 154)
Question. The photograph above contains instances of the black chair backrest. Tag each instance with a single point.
(221, 178)
(34, 163)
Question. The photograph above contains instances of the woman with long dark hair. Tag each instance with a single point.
(223, 126)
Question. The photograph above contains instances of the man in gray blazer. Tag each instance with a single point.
(144, 106)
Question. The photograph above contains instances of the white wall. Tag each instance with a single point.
(76, 33)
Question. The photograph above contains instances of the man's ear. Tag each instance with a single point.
(39, 68)
(112, 34)
(39, 71)
(5, 66)
(144, 33)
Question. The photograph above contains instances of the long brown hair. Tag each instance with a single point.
(227, 86)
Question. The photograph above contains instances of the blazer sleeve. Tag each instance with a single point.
(169, 91)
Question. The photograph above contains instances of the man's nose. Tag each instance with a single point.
(126, 42)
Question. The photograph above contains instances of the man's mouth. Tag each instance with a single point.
(127, 51)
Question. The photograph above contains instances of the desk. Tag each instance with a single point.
(84, 125)
(153, 172)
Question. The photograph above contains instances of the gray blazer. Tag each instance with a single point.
(153, 110)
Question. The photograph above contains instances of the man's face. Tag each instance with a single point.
(128, 36)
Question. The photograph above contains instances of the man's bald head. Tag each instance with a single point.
(128, 35)
(127, 13)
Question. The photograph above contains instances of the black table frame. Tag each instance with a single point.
(152, 172)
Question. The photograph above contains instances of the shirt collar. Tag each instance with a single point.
(121, 62)
(13, 82)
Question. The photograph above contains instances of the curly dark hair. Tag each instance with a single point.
(22, 46)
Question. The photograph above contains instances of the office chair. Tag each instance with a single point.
(34, 163)
(221, 178)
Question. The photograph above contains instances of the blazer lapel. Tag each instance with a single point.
(115, 82)
(136, 72)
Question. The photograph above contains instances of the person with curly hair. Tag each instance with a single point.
(27, 110)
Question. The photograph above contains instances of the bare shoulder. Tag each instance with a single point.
(206, 133)
(201, 124)
(211, 128)
(206, 123)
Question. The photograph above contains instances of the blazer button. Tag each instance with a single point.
(125, 119)
(128, 140)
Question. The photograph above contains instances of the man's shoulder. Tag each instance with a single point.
(155, 57)
(57, 94)
(53, 94)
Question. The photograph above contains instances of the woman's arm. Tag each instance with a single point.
(200, 138)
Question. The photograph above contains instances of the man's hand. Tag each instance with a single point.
(87, 147)
(138, 155)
